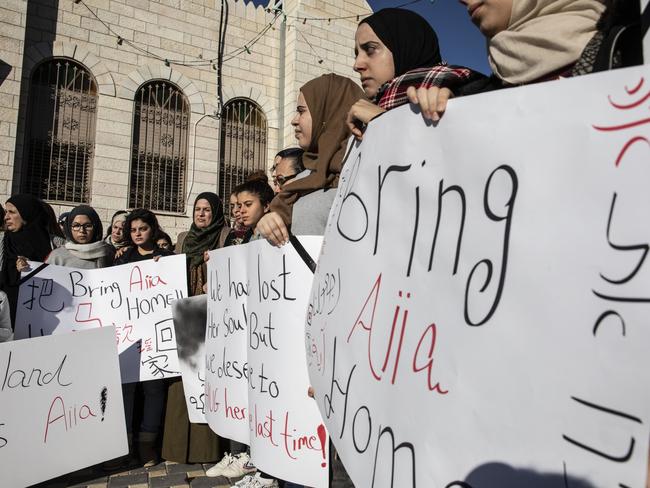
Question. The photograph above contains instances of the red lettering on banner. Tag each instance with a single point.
(295, 442)
(263, 429)
(70, 415)
(236, 412)
(146, 283)
(396, 339)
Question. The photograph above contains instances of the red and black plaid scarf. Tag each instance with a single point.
(393, 93)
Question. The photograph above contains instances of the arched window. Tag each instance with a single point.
(159, 153)
(243, 144)
(60, 137)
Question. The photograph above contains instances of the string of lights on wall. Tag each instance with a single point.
(199, 62)
(247, 47)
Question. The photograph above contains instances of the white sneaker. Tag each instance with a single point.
(239, 466)
(217, 469)
(255, 482)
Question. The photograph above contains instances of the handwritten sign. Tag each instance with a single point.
(226, 359)
(478, 314)
(60, 405)
(189, 324)
(258, 298)
(134, 298)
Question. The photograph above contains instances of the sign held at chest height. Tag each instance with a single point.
(256, 375)
(134, 298)
(483, 285)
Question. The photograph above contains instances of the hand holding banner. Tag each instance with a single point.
(477, 313)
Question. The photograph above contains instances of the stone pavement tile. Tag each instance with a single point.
(123, 481)
(196, 472)
(206, 482)
(182, 468)
(175, 479)
(157, 467)
(157, 473)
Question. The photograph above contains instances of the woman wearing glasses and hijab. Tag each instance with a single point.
(84, 247)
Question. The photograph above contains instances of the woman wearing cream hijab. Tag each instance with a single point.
(528, 41)
(540, 38)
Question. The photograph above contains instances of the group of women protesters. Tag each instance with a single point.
(399, 61)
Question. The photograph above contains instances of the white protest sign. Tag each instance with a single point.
(286, 433)
(479, 312)
(226, 364)
(189, 325)
(134, 298)
(60, 405)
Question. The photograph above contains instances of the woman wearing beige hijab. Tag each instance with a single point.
(321, 130)
(539, 40)
(530, 40)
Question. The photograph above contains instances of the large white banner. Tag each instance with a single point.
(134, 298)
(60, 406)
(479, 313)
(257, 305)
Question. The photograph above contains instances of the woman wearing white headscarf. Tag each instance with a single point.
(531, 41)
(542, 38)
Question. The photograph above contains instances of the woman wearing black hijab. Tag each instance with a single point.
(26, 238)
(396, 49)
(84, 248)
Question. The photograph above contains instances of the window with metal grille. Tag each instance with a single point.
(60, 136)
(243, 144)
(159, 153)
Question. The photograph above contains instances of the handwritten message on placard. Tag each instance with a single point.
(60, 405)
(189, 324)
(134, 298)
(261, 293)
(226, 363)
(478, 314)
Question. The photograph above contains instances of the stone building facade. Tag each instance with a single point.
(114, 102)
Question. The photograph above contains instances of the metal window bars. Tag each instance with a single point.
(60, 136)
(159, 151)
(243, 142)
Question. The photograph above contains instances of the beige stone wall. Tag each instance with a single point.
(184, 30)
(12, 33)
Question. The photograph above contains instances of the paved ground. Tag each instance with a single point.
(163, 475)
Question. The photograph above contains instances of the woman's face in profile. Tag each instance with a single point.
(13, 221)
(490, 16)
(372, 60)
(302, 123)
(251, 208)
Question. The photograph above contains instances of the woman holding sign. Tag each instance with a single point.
(84, 248)
(396, 50)
(141, 228)
(184, 442)
(320, 129)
